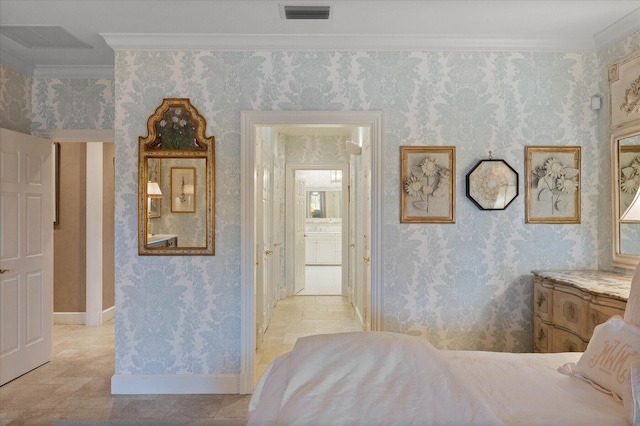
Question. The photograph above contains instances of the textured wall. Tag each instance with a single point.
(72, 103)
(15, 100)
(466, 285)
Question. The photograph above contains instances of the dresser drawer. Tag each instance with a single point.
(571, 312)
(541, 335)
(542, 300)
(563, 341)
(599, 314)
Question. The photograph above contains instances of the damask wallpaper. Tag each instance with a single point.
(72, 104)
(463, 286)
(15, 100)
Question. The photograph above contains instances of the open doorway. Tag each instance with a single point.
(254, 251)
(322, 210)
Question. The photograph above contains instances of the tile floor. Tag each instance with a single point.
(300, 316)
(76, 383)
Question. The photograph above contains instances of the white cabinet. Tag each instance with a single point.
(323, 248)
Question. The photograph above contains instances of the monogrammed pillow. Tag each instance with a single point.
(613, 349)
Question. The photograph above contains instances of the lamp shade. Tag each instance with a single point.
(632, 214)
(153, 190)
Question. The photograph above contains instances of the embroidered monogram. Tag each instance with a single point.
(613, 359)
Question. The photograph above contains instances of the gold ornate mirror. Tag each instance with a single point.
(176, 183)
(624, 120)
(625, 166)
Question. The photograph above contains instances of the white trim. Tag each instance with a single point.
(94, 231)
(63, 71)
(342, 42)
(79, 318)
(129, 384)
(78, 135)
(249, 121)
(69, 318)
(618, 30)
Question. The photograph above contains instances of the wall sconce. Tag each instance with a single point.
(632, 214)
(153, 191)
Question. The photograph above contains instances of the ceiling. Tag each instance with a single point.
(503, 25)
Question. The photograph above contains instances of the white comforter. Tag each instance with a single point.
(372, 378)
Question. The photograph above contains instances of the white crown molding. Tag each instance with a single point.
(618, 30)
(77, 135)
(341, 42)
(7, 59)
(63, 71)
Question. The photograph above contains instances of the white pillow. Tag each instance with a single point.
(631, 396)
(612, 351)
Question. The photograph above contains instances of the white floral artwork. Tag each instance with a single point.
(553, 184)
(492, 185)
(629, 175)
(427, 190)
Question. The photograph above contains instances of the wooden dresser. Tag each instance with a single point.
(567, 305)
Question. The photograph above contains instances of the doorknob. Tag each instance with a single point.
(276, 244)
(352, 245)
(366, 260)
(268, 252)
(2, 271)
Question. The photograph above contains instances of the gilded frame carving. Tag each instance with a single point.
(176, 134)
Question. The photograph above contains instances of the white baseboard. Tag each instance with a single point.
(137, 384)
(69, 318)
(80, 318)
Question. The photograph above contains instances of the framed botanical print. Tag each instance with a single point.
(492, 184)
(552, 184)
(427, 184)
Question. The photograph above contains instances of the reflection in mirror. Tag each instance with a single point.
(625, 183)
(324, 204)
(175, 184)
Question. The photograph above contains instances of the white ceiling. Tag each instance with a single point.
(506, 25)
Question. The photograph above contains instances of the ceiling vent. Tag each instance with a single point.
(43, 37)
(306, 12)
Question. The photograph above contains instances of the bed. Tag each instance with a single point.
(385, 378)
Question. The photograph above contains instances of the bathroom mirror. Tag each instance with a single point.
(625, 181)
(176, 188)
(324, 204)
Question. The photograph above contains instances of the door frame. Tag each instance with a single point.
(249, 121)
(291, 170)
(93, 138)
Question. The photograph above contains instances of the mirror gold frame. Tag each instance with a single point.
(176, 138)
(621, 258)
(624, 123)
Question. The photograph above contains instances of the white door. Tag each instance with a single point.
(299, 256)
(26, 253)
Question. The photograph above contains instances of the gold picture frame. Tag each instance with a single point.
(183, 190)
(427, 185)
(552, 184)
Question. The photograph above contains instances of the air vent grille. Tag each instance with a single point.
(306, 12)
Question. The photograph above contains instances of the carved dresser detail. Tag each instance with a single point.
(567, 305)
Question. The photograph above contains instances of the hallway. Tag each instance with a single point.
(300, 316)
